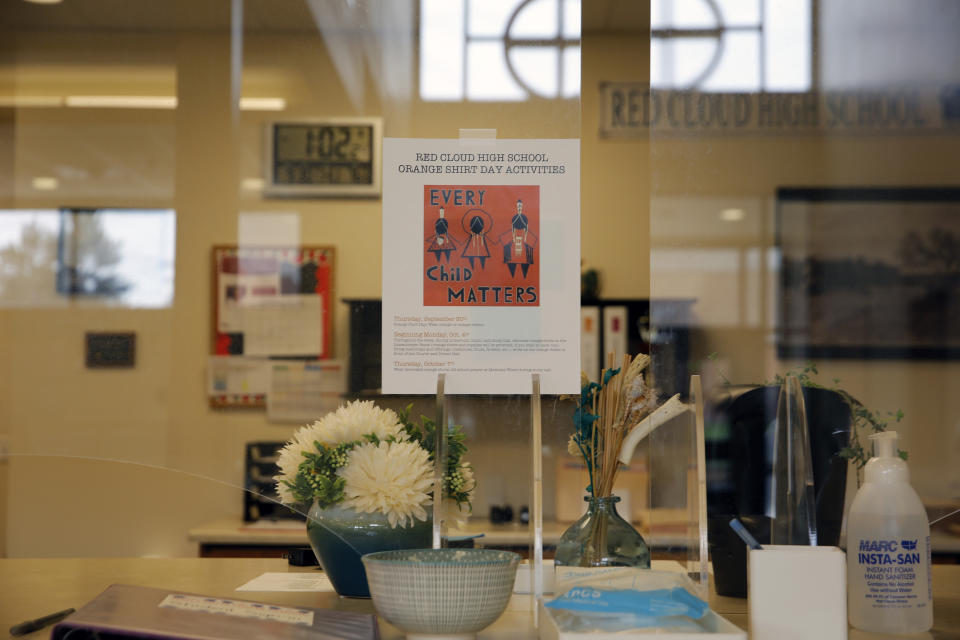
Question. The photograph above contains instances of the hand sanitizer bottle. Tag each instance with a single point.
(888, 548)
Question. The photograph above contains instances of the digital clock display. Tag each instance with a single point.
(323, 154)
(324, 158)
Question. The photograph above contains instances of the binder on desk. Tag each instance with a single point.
(125, 612)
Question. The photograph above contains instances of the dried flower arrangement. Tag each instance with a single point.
(607, 414)
(612, 415)
(373, 460)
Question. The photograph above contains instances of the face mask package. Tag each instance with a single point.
(629, 603)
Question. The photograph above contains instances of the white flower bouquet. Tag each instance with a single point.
(373, 460)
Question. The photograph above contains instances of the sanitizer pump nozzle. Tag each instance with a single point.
(886, 465)
(884, 444)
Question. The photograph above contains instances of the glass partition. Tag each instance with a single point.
(796, 199)
(136, 140)
(765, 187)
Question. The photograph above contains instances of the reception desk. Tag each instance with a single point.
(229, 537)
(35, 587)
(233, 538)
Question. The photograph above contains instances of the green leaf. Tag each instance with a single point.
(609, 373)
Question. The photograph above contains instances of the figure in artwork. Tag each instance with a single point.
(441, 243)
(518, 243)
(477, 223)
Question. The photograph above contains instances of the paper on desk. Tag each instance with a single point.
(281, 581)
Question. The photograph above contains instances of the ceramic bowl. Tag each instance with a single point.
(441, 593)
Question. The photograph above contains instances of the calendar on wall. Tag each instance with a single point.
(269, 302)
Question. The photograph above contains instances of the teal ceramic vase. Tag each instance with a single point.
(601, 538)
(340, 536)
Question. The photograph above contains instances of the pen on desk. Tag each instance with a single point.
(33, 625)
(741, 531)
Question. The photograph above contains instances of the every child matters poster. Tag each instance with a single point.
(482, 245)
(481, 265)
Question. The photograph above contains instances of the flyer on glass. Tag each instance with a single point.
(481, 265)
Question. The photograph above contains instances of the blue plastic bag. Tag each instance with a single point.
(585, 608)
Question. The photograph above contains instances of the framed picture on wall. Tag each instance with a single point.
(333, 157)
(868, 273)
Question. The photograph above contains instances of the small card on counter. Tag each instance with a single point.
(293, 581)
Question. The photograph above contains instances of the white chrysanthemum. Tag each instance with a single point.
(351, 422)
(392, 478)
(469, 481)
(452, 514)
(348, 423)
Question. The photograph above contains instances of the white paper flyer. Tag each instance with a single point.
(481, 265)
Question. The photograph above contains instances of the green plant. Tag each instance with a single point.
(863, 420)
(317, 476)
(458, 479)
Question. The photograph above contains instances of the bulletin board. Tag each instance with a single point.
(268, 302)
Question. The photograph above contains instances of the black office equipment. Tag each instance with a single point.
(740, 465)
(260, 498)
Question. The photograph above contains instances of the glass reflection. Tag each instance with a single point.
(499, 50)
(28, 257)
(731, 45)
(113, 257)
(847, 97)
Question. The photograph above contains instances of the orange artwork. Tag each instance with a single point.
(482, 245)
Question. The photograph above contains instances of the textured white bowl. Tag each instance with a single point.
(441, 593)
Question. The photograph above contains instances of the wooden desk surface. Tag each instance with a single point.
(32, 588)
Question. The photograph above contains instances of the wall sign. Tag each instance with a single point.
(317, 158)
(632, 109)
(110, 350)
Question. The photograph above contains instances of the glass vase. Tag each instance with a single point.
(601, 538)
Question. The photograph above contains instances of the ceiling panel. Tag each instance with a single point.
(126, 15)
(599, 16)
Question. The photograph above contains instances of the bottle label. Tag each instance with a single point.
(893, 569)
